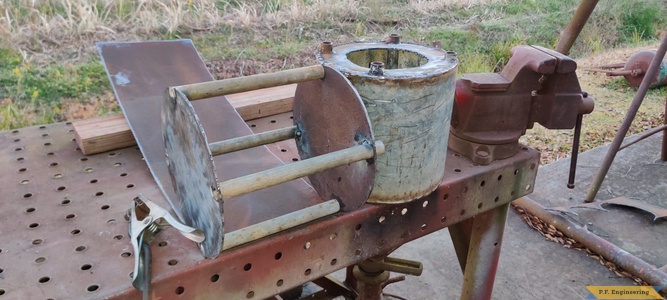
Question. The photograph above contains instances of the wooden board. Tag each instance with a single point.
(109, 133)
(103, 134)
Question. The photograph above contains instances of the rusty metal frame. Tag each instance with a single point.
(81, 249)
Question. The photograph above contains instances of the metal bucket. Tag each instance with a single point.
(408, 91)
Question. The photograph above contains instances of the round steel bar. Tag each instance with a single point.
(249, 141)
(223, 87)
(575, 151)
(275, 225)
(646, 134)
(275, 176)
(629, 117)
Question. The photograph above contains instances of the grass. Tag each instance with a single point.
(49, 70)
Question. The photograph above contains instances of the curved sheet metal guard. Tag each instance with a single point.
(330, 116)
(192, 171)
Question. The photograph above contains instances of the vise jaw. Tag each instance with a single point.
(493, 110)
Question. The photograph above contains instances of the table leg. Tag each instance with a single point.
(484, 251)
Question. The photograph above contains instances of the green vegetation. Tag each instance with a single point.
(48, 58)
(23, 82)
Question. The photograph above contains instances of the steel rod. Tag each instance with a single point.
(604, 248)
(275, 176)
(223, 87)
(646, 134)
(575, 151)
(570, 34)
(278, 224)
(634, 72)
(254, 140)
(651, 73)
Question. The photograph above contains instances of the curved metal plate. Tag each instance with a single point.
(331, 117)
(198, 200)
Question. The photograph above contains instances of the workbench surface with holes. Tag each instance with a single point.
(63, 232)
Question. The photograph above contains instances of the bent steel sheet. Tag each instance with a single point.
(140, 73)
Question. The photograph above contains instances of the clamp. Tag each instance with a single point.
(147, 220)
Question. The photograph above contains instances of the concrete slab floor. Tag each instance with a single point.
(532, 267)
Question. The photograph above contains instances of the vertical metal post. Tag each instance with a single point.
(484, 252)
(651, 73)
(570, 34)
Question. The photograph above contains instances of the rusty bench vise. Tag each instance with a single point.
(493, 110)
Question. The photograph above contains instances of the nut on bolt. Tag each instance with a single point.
(394, 38)
(377, 68)
(326, 48)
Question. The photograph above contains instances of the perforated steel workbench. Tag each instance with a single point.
(63, 232)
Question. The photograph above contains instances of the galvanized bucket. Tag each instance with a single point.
(408, 91)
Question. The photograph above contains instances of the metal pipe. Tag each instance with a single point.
(254, 140)
(629, 117)
(646, 134)
(604, 248)
(278, 224)
(197, 91)
(570, 34)
(633, 72)
(575, 151)
(260, 180)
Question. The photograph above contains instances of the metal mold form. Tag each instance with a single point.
(63, 235)
(408, 91)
